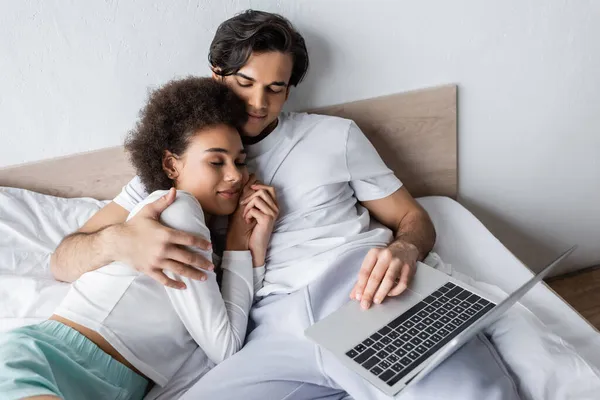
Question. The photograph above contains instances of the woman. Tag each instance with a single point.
(118, 331)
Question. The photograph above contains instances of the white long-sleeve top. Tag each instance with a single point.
(156, 328)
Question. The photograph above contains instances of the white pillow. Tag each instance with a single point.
(33, 224)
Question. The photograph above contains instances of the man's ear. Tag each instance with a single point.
(170, 165)
(215, 74)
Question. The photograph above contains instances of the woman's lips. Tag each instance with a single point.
(229, 194)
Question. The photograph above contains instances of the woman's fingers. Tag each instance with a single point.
(261, 205)
(270, 189)
(258, 216)
(261, 190)
(265, 195)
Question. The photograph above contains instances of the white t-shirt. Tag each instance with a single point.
(148, 323)
(320, 166)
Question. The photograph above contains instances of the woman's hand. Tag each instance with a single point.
(260, 209)
(251, 225)
(238, 230)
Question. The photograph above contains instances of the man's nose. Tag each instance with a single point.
(258, 100)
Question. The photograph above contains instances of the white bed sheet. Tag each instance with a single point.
(32, 225)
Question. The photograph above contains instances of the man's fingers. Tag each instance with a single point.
(164, 280)
(377, 274)
(365, 273)
(181, 269)
(191, 259)
(187, 239)
(154, 209)
(389, 281)
(405, 277)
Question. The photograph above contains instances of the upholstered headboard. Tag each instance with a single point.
(415, 133)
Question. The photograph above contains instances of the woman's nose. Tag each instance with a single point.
(233, 174)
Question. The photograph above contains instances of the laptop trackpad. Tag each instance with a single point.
(351, 324)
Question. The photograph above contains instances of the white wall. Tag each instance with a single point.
(73, 75)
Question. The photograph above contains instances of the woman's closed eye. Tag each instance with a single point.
(221, 163)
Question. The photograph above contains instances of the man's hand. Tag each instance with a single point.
(150, 247)
(385, 272)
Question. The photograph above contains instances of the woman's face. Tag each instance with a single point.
(212, 169)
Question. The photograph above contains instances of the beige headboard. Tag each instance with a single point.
(415, 133)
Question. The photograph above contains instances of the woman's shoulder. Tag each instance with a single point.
(185, 214)
(185, 211)
(181, 197)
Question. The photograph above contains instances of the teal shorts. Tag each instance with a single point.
(53, 359)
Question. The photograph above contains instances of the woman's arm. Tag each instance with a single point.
(216, 319)
(259, 277)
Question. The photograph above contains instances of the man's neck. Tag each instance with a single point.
(249, 140)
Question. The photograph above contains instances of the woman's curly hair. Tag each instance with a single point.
(173, 114)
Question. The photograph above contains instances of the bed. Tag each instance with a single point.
(416, 135)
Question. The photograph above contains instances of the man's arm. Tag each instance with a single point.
(387, 272)
(409, 221)
(141, 242)
(91, 247)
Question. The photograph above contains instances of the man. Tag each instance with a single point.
(329, 181)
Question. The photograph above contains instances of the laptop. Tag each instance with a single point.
(396, 343)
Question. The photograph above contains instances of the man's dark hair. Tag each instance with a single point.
(173, 114)
(256, 32)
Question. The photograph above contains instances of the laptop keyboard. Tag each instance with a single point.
(397, 348)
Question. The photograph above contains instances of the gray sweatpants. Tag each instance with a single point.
(278, 362)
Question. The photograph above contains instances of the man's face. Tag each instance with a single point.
(263, 84)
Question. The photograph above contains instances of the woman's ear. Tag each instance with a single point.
(170, 164)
